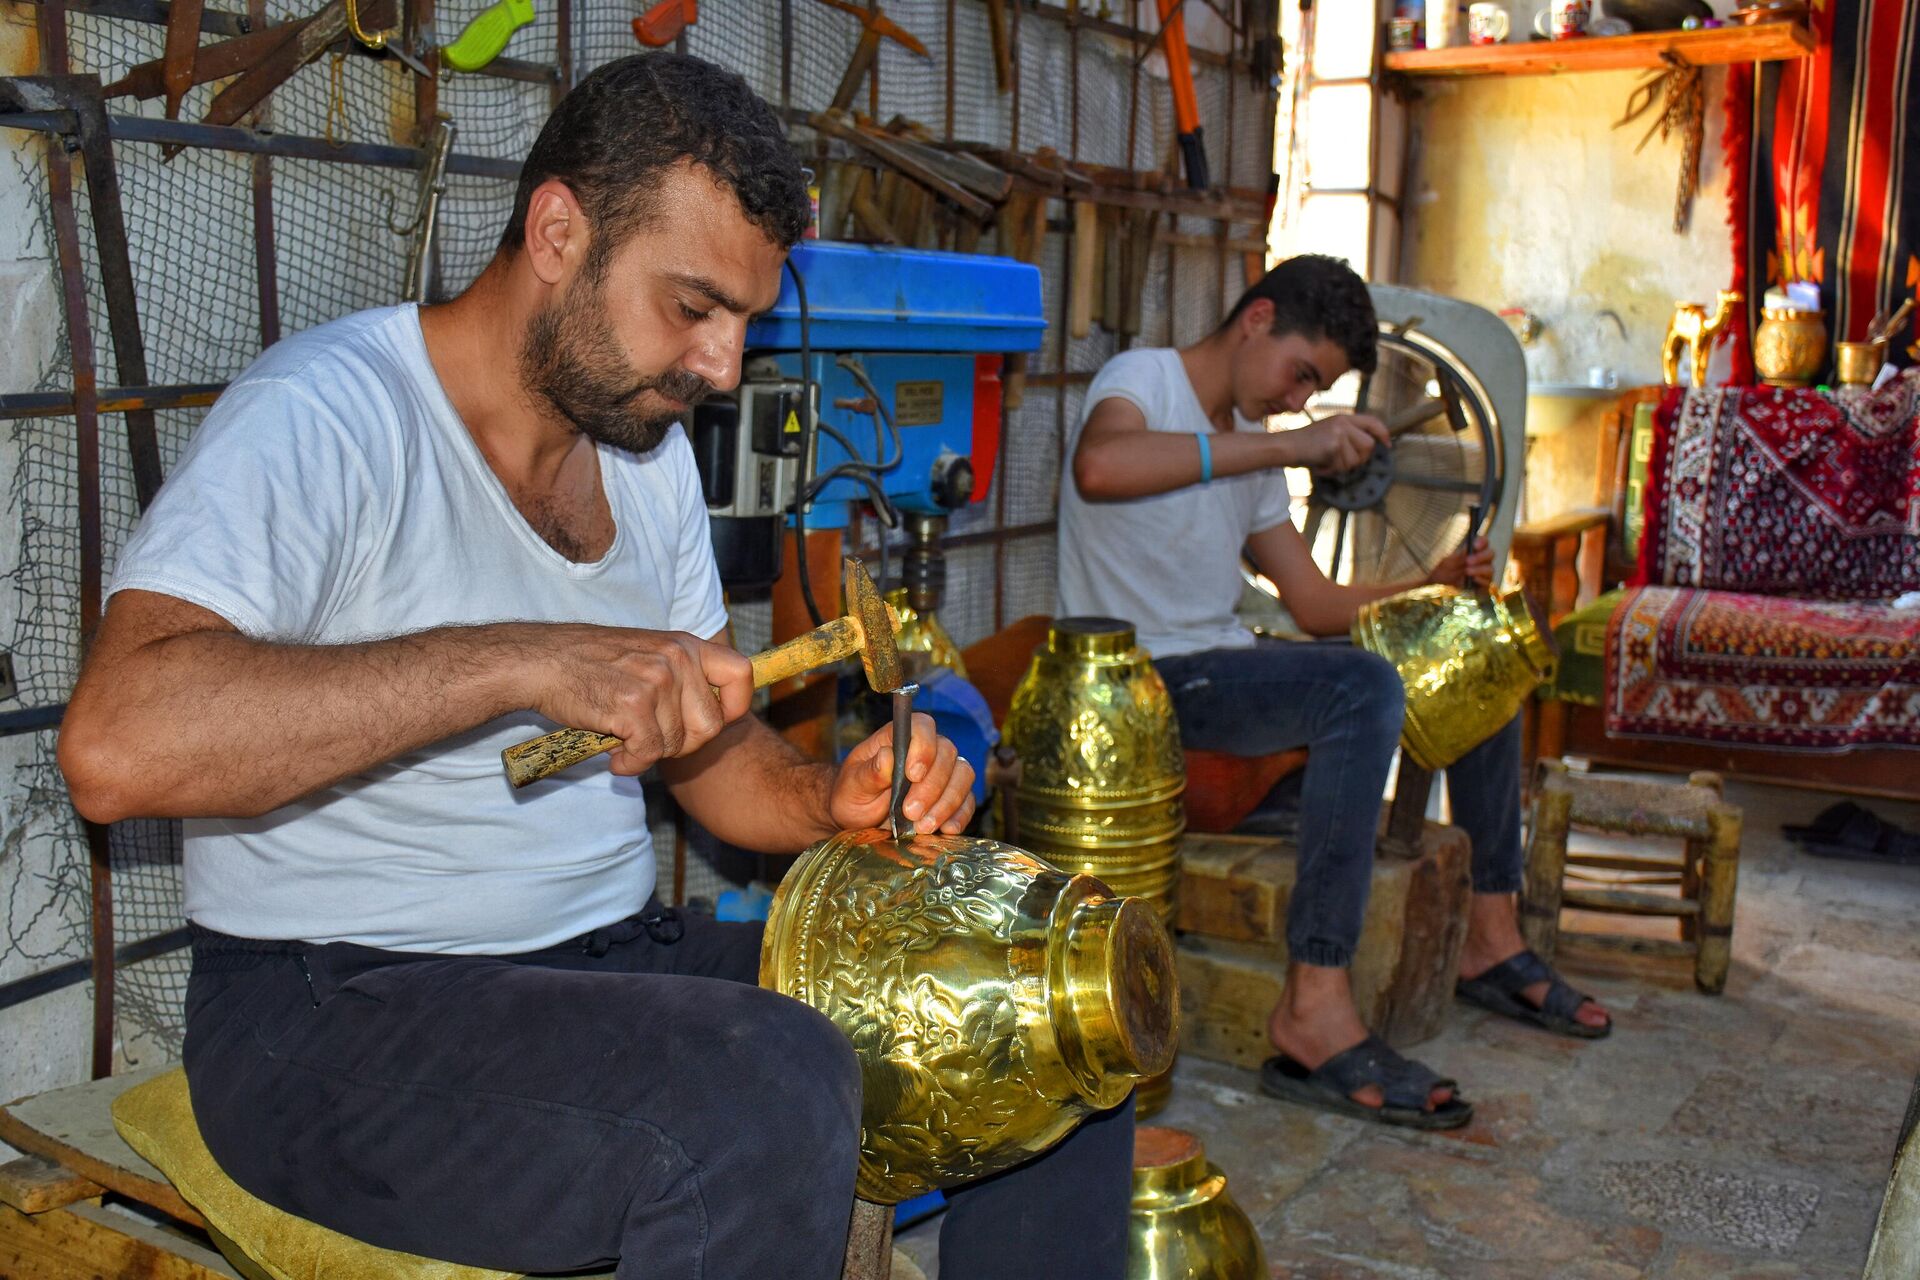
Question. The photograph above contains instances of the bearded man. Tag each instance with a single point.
(428, 1011)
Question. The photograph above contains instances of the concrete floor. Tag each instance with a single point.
(1738, 1137)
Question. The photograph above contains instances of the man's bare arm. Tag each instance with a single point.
(177, 714)
(1118, 457)
(1323, 607)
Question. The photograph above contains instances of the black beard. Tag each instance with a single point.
(570, 359)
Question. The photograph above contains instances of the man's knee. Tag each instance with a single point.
(800, 1073)
(1377, 702)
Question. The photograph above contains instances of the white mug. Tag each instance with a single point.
(1443, 25)
(1564, 19)
(1487, 23)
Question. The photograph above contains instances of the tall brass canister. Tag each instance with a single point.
(1101, 772)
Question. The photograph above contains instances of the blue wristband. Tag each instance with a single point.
(1206, 458)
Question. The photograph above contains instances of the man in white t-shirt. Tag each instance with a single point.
(429, 1011)
(1172, 476)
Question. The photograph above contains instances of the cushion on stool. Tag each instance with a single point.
(156, 1119)
(1223, 789)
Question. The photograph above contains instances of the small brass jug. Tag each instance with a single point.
(1183, 1224)
(993, 1000)
(922, 633)
(1101, 773)
(1789, 346)
(1469, 660)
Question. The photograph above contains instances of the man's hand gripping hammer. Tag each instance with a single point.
(866, 629)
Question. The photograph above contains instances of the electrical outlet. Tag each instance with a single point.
(8, 688)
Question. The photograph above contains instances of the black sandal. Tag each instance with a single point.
(1499, 989)
(1405, 1085)
(1846, 830)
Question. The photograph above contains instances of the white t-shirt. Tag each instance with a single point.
(1168, 563)
(334, 495)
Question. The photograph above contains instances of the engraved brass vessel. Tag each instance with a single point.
(918, 632)
(993, 1000)
(1469, 660)
(1101, 773)
(1789, 346)
(1183, 1224)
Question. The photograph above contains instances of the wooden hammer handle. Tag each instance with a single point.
(542, 757)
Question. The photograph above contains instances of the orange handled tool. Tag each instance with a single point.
(1186, 106)
(663, 23)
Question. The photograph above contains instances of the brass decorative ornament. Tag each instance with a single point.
(918, 632)
(1789, 346)
(1469, 660)
(993, 1001)
(1101, 771)
(1183, 1225)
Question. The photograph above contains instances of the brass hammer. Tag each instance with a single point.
(866, 629)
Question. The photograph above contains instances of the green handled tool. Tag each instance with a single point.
(482, 39)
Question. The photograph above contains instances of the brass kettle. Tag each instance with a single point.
(993, 1001)
(1469, 660)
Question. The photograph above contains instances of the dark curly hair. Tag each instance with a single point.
(1320, 297)
(610, 138)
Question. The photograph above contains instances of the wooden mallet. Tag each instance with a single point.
(867, 629)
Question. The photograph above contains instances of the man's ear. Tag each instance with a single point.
(556, 231)
(1257, 318)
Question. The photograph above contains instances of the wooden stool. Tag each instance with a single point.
(1705, 874)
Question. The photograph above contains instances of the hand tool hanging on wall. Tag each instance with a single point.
(866, 630)
(419, 280)
(874, 26)
(482, 39)
(661, 25)
(211, 62)
(183, 42)
(1186, 105)
(313, 38)
(997, 36)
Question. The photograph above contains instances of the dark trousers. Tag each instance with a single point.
(627, 1095)
(1345, 706)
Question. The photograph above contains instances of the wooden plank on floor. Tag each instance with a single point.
(73, 1127)
(34, 1184)
(86, 1242)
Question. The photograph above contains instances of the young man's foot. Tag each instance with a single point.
(1315, 1020)
(1493, 938)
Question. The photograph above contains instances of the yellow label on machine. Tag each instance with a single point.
(793, 423)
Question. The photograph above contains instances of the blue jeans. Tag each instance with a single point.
(1345, 706)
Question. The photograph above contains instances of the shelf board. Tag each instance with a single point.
(1767, 42)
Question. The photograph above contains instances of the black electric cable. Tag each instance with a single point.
(811, 427)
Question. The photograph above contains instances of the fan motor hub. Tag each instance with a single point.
(1360, 489)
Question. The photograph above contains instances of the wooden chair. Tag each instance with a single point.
(1705, 875)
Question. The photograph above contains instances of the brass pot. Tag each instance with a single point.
(1469, 660)
(918, 632)
(1857, 364)
(1101, 773)
(993, 1000)
(1184, 1225)
(1789, 346)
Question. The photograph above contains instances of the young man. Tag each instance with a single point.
(426, 1010)
(1172, 476)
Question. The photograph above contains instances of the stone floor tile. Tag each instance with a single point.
(1731, 1208)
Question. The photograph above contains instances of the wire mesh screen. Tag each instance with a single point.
(1094, 98)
